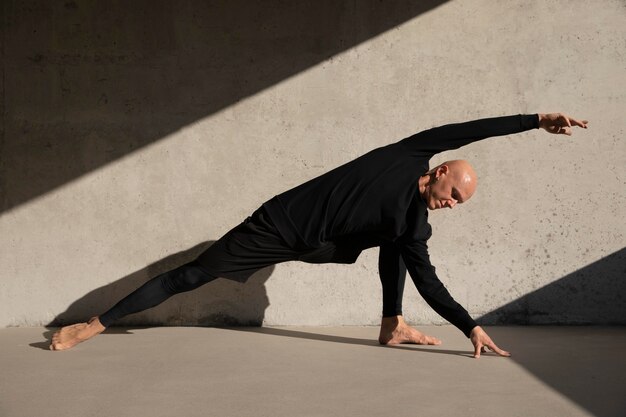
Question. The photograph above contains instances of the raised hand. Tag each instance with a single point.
(559, 123)
(481, 341)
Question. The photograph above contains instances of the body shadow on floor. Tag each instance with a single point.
(221, 302)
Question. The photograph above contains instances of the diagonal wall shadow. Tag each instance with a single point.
(586, 364)
(595, 294)
(85, 83)
(219, 303)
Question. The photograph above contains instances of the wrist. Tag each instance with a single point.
(541, 118)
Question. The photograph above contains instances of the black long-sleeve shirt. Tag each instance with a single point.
(375, 199)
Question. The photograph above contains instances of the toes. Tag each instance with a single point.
(59, 346)
(434, 341)
(408, 335)
(429, 340)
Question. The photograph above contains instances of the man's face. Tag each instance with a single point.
(447, 188)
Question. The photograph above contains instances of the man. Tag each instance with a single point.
(379, 199)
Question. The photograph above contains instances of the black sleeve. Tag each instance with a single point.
(453, 136)
(422, 272)
(392, 272)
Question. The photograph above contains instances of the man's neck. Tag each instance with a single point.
(421, 184)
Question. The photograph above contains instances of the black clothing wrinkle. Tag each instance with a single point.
(374, 201)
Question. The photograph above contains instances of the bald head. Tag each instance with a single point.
(464, 176)
(448, 184)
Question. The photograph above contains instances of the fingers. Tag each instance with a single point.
(477, 350)
(561, 124)
(579, 123)
(574, 122)
(497, 350)
(560, 130)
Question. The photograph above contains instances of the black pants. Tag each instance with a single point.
(253, 245)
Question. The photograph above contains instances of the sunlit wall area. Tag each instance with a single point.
(134, 134)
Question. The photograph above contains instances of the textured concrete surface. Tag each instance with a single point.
(134, 133)
(313, 371)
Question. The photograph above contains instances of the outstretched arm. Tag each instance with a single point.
(433, 291)
(437, 296)
(453, 136)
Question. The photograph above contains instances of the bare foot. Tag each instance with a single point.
(70, 336)
(394, 331)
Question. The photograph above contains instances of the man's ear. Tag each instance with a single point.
(442, 170)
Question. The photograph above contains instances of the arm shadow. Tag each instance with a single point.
(348, 340)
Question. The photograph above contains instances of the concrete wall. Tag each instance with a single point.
(133, 133)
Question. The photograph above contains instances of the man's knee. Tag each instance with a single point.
(185, 278)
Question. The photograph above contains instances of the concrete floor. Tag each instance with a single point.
(313, 371)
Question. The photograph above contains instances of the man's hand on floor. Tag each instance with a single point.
(481, 341)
